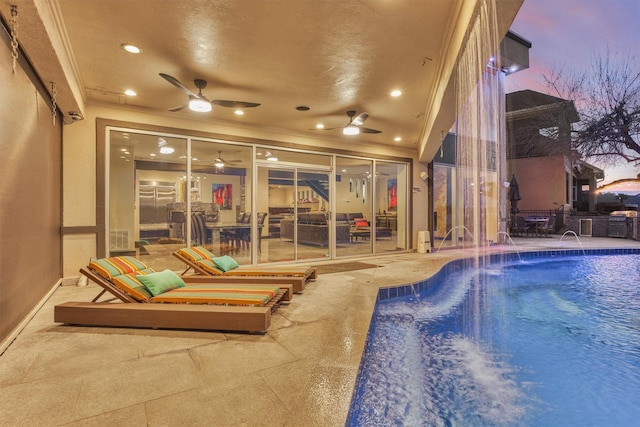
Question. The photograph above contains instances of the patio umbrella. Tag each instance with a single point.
(514, 194)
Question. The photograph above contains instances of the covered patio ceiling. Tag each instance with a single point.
(306, 62)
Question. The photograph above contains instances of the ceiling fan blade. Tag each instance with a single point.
(174, 109)
(326, 128)
(234, 104)
(177, 84)
(368, 130)
(359, 119)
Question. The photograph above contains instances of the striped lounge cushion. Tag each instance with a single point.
(115, 266)
(196, 253)
(219, 295)
(270, 271)
(202, 257)
(130, 284)
(209, 266)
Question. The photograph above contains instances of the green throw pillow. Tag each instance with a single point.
(225, 263)
(162, 281)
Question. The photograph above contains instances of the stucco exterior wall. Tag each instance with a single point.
(542, 182)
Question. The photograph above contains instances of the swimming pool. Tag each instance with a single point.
(538, 339)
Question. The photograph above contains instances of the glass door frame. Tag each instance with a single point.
(104, 167)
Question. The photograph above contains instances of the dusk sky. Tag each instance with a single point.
(567, 35)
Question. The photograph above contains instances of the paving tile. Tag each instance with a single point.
(300, 373)
(244, 400)
(127, 383)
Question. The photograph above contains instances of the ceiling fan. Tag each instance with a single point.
(220, 163)
(198, 102)
(354, 127)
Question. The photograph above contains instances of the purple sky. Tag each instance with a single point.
(567, 35)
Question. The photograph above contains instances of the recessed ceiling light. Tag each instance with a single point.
(130, 92)
(152, 155)
(319, 126)
(397, 139)
(167, 150)
(131, 48)
(239, 113)
(396, 92)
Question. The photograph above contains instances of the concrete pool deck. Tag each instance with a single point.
(300, 373)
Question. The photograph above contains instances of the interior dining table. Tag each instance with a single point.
(217, 227)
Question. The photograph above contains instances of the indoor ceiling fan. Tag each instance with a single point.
(198, 102)
(354, 127)
(220, 163)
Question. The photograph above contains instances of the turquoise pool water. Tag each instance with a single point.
(531, 341)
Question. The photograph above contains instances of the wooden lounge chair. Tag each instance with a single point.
(203, 262)
(207, 306)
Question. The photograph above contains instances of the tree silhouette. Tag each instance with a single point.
(607, 97)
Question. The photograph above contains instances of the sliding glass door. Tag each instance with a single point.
(257, 204)
(298, 221)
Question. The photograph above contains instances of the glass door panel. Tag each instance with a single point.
(353, 201)
(275, 195)
(443, 206)
(313, 222)
(146, 214)
(222, 174)
(392, 205)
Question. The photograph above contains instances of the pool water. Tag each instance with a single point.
(532, 341)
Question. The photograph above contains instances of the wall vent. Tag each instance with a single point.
(119, 239)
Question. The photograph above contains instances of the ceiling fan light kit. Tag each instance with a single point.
(351, 129)
(354, 127)
(199, 105)
(198, 102)
(219, 161)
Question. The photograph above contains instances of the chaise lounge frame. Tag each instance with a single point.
(270, 275)
(129, 312)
